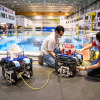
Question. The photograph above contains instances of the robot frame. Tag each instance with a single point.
(66, 63)
(13, 66)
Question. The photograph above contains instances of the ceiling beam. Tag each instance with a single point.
(44, 13)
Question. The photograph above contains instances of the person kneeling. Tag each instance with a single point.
(51, 46)
(94, 69)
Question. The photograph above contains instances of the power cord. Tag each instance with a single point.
(31, 86)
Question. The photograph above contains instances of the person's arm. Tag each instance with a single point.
(52, 53)
(60, 46)
(87, 47)
(94, 66)
(90, 67)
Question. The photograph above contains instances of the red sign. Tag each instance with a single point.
(3, 8)
(0, 8)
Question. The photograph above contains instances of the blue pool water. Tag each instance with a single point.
(32, 42)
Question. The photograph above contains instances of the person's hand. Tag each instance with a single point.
(81, 68)
(61, 50)
(79, 51)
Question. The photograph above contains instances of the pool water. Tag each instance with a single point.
(33, 42)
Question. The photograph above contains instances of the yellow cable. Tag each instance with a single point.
(36, 88)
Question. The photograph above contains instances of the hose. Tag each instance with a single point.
(33, 87)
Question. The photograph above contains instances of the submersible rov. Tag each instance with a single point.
(66, 63)
(16, 64)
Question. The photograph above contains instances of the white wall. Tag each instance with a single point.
(39, 21)
(23, 21)
(30, 23)
(62, 20)
(5, 20)
(43, 21)
(18, 20)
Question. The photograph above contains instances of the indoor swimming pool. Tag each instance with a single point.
(32, 41)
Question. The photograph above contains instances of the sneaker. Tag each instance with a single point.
(40, 60)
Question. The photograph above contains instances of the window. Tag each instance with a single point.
(11, 17)
(98, 15)
(76, 25)
(75, 20)
(86, 18)
(93, 17)
(82, 11)
(6, 16)
(2, 15)
(98, 23)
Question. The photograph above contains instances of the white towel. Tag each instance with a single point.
(17, 64)
(26, 60)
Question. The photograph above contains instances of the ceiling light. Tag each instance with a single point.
(74, 2)
(17, 4)
(29, 1)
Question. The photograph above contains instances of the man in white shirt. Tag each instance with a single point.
(51, 46)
